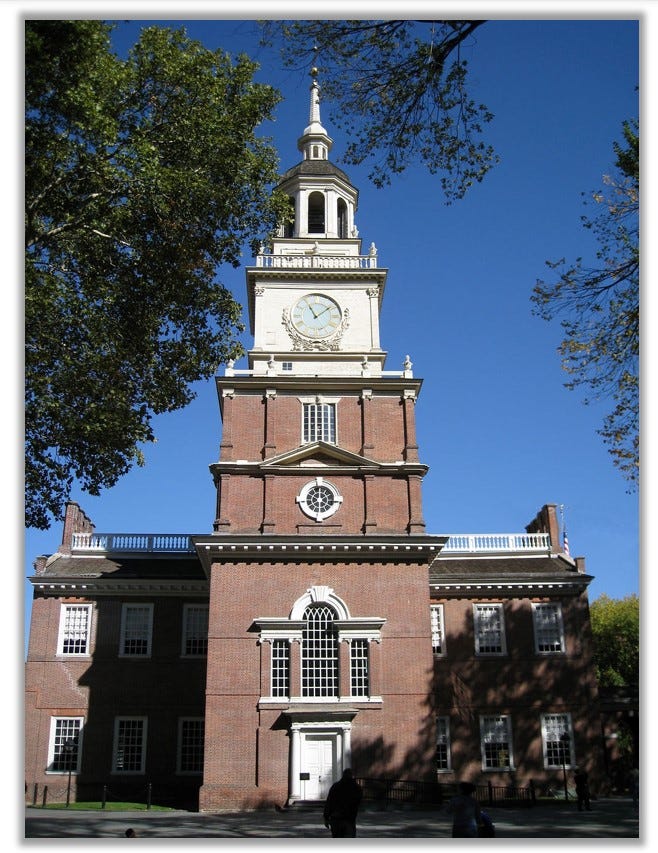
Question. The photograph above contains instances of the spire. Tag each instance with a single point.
(315, 143)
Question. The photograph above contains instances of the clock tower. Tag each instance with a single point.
(319, 645)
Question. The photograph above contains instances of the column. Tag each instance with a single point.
(222, 522)
(269, 448)
(226, 445)
(410, 445)
(295, 753)
(416, 521)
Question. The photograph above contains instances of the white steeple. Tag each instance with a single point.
(315, 143)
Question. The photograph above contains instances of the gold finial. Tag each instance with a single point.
(314, 68)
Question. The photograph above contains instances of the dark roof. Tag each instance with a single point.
(179, 567)
(315, 167)
(462, 566)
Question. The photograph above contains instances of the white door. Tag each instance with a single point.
(318, 762)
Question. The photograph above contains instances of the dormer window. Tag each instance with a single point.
(316, 213)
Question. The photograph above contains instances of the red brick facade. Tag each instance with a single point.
(318, 581)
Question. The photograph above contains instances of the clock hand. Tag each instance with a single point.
(323, 311)
(315, 316)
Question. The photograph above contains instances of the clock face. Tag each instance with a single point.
(316, 316)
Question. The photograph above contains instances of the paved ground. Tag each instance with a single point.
(609, 818)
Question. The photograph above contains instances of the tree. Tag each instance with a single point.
(600, 307)
(399, 90)
(616, 635)
(142, 177)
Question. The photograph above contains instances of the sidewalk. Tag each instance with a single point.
(609, 818)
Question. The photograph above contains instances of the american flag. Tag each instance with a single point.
(565, 539)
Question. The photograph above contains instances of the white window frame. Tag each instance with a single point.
(539, 628)
(148, 633)
(280, 668)
(318, 404)
(188, 625)
(554, 722)
(313, 512)
(179, 750)
(484, 631)
(490, 727)
(53, 743)
(65, 633)
(359, 667)
(437, 623)
(443, 740)
(115, 746)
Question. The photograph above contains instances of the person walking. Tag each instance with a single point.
(465, 811)
(582, 789)
(342, 806)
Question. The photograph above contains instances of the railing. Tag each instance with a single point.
(317, 261)
(427, 793)
(181, 542)
(473, 542)
(135, 542)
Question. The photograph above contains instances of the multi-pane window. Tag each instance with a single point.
(129, 753)
(557, 738)
(549, 633)
(319, 422)
(280, 669)
(489, 629)
(286, 366)
(74, 629)
(359, 682)
(438, 632)
(443, 744)
(319, 652)
(136, 630)
(195, 630)
(65, 748)
(496, 743)
(191, 733)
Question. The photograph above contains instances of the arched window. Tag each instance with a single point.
(316, 213)
(319, 652)
(342, 219)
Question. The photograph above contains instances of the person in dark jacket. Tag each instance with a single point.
(582, 789)
(342, 806)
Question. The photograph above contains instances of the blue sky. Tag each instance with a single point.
(501, 434)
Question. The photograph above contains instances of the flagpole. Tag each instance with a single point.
(565, 540)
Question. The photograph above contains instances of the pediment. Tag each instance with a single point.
(319, 454)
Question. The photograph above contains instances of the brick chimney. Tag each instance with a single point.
(546, 521)
(75, 521)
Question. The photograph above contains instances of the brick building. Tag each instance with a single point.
(319, 625)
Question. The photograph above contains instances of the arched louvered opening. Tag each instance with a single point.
(319, 652)
(316, 213)
(289, 222)
(342, 218)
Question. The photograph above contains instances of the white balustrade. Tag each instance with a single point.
(132, 542)
(317, 261)
(145, 543)
(474, 542)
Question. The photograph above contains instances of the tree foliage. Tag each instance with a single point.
(616, 634)
(142, 176)
(600, 307)
(399, 90)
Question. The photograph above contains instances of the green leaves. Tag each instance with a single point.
(142, 177)
(599, 307)
(616, 633)
(400, 92)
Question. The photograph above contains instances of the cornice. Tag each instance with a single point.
(325, 548)
(108, 586)
(470, 587)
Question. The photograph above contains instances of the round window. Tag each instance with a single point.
(319, 499)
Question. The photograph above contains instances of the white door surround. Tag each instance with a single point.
(319, 752)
